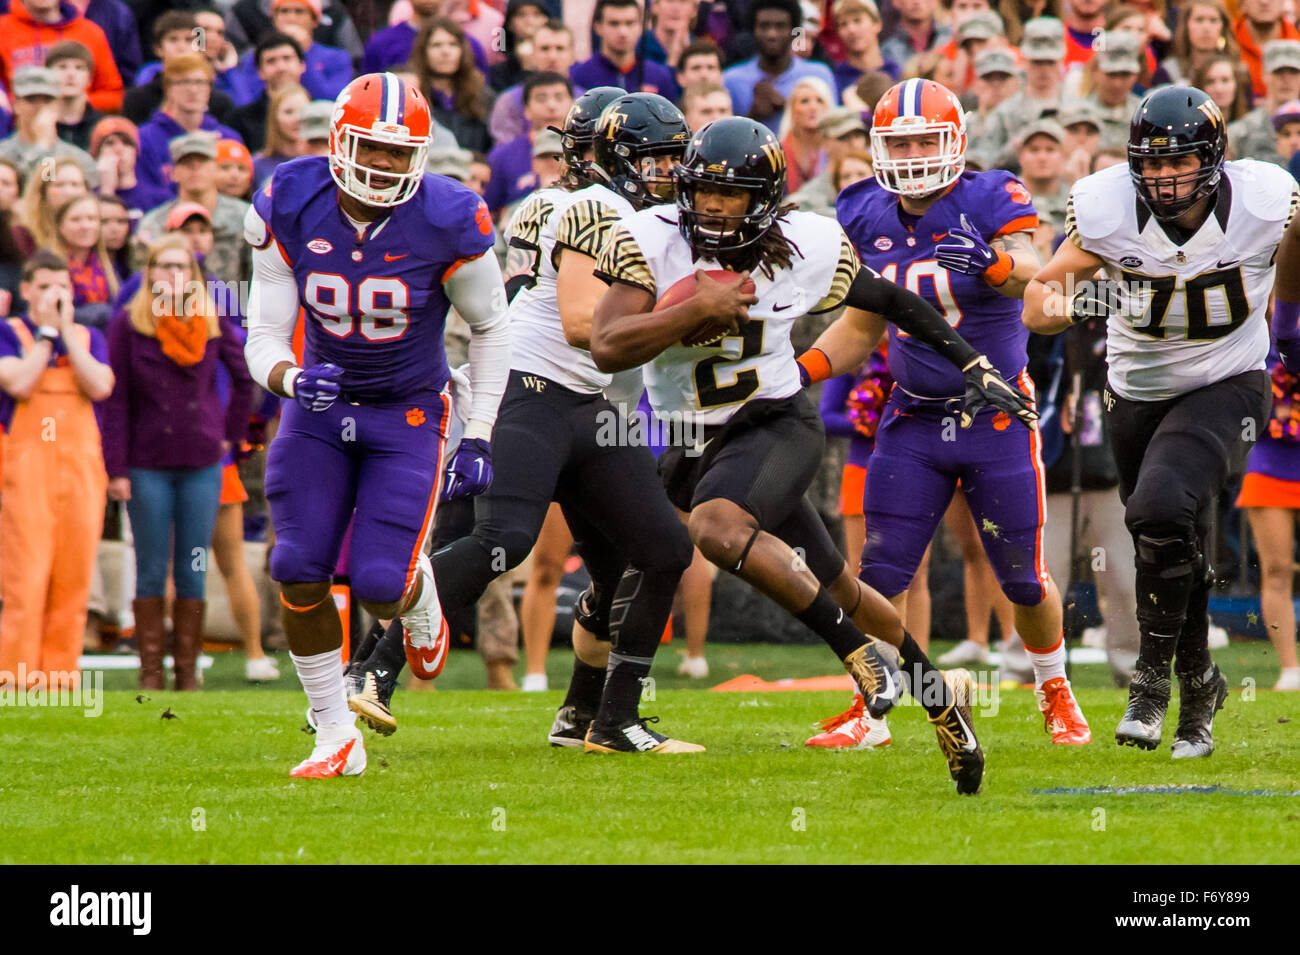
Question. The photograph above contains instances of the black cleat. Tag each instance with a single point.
(568, 729)
(1200, 696)
(1144, 717)
(956, 734)
(634, 737)
(877, 677)
(369, 692)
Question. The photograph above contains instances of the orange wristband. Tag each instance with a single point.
(815, 362)
(1000, 271)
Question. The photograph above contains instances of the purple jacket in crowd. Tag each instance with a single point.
(153, 164)
(390, 48)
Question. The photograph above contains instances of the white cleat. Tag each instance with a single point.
(261, 670)
(697, 668)
(424, 630)
(968, 651)
(852, 729)
(339, 751)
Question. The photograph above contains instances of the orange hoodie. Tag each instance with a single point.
(24, 42)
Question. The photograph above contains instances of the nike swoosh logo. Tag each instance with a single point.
(1225, 265)
(970, 736)
(782, 308)
(394, 258)
(936, 236)
(381, 673)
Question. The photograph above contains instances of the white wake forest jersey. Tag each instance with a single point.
(706, 385)
(556, 221)
(1192, 313)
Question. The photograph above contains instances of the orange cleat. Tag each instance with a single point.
(339, 751)
(427, 662)
(1061, 714)
(852, 729)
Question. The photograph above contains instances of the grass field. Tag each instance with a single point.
(469, 778)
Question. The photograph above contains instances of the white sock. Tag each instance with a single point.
(1048, 663)
(321, 675)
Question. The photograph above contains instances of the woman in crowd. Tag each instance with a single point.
(1016, 13)
(1132, 19)
(11, 185)
(41, 197)
(1204, 32)
(800, 139)
(282, 140)
(235, 169)
(444, 67)
(523, 18)
(165, 433)
(79, 239)
(11, 256)
(115, 228)
(1224, 78)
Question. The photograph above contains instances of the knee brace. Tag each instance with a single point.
(592, 612)
(1169, 566)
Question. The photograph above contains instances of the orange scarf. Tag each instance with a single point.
(183, 340)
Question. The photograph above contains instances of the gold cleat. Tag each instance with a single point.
(635, 737)
(956, 734)
(372, 710)
(876, 677)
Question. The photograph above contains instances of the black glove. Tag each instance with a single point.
(1096, 298)
(986, 388)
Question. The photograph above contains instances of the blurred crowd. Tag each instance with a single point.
(132, 134)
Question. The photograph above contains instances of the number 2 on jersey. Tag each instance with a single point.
(381, 301)
(708, 393)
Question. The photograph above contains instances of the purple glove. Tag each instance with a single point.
(1286, 332)
(470, 470)
(318, 386)
(965, 252)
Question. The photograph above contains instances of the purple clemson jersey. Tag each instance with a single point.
(375, 306)
(901, 248)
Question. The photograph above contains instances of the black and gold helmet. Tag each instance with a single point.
(1177, 121)
(738, 153)
(579, 132)
(633, 128)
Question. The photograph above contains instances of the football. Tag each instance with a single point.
(708, 333)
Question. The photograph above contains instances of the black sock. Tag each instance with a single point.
(1165, 580)
(828, 620)
(637, 617)
(366, 645)
(1192, 650)
(391, 651)
(924, 678)
(585, 688)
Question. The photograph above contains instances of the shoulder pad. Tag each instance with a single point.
(1099, 201)
(1265, 188)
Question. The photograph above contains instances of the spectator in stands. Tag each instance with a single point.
(1017, 13)
(326, 69)
(1261, 23)
(79, 241)
(279, 62)
(175, 33)
(671, 30)
(552, 53)
(11, 184)
(118, 21)
(11, 257)
(1253, 136)
(41, 196)
(867, 91)
(456, 90)
(115, 146)
(1128, 19)
(547, 98)
(391, 47)
(997, 79)
(187, 86)
(1204, 31)
(250, 19)
(314, 127)
(617, 25)
(283, 141)
(165, 346)
(73, 65)
(703, 102)
(1084, 22)
(523, 19)
(52, 503)
(1112, 72)
(842, 132)
(194, 171)
(1224, 77)
(857, 22)
(849, 167)
(1286, 121)
(918, 31)
(115, 226)
(234, 169)
(547, 167)
(1041, 158)
(480, 173)
(29, 29)
(701, 62)
(1082, 140)
(1043, 49)
(36, 113)
(801, 139)
(480, 20)
(223, 56)
(759, 87)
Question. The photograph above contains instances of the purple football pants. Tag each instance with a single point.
(382, 461)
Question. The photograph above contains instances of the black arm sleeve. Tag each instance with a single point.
(911, 314)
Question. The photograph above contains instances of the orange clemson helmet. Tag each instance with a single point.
(381, 108)
(910, 109)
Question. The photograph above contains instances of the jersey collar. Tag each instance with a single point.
(1179, 239)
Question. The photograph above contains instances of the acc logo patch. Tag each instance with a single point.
(1131, 262)
(1018, 193)
(884, 243)
(320, 246)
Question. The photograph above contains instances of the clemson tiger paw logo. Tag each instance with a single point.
(1001, 421)
(415, 417)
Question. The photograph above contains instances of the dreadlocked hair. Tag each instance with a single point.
(771, 252)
